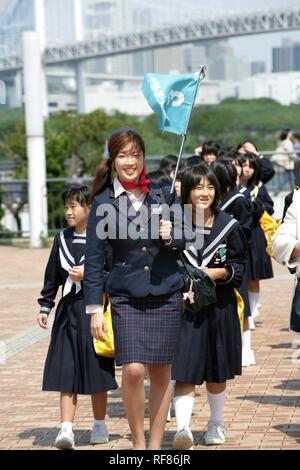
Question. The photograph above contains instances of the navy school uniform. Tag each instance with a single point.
(144, 283)
(72, 365)
(209, 347)
(235, 204)
(259, 266)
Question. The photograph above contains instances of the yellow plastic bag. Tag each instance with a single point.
(240, 308)
(269, 226)
(106, 348)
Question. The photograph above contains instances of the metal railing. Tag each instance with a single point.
(15, 196)
(15, 205)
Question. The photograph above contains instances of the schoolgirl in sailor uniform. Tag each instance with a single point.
(259, 266)
(235, 204)
(144, 283)
(72, 366)
(209, 347)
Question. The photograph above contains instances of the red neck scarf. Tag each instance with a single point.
(142, 183)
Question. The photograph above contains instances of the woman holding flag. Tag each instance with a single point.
(144, 283)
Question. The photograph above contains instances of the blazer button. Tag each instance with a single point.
(144, 249)
(146, 268)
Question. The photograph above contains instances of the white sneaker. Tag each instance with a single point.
(251, 323)
(255, 313)
(248, 358)
(183, 439)
(215, 433)
(99, 434)
(65, 439)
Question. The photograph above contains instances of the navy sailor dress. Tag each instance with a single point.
(209, 348)
(72, 365)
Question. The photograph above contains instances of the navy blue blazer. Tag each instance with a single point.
(139, 267)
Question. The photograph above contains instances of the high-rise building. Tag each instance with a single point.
(287, 57)
(16, 16)
(224, 65)
(258, 67)
(296, 58)
(60, 23)
(169, 59)
(194, 57)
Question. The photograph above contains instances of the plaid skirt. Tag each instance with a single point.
(146, 329)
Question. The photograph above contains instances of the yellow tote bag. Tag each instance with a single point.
(268, 224)
(106, 348)
(240, 308)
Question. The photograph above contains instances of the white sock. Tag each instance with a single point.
(67, 425)
(183, 405)
(253, 300)
(246, 340)
(216, 402)
(99, 422)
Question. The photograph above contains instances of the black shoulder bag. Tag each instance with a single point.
(200, 289)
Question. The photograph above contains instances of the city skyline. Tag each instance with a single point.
(174, 11)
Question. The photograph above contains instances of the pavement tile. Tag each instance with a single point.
(262, 409)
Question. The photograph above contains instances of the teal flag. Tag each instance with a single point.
(171, 97)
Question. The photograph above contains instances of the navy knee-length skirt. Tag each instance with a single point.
(209, 348)
(72, 365)
(146, 329)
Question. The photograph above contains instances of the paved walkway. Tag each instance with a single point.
(262, 410)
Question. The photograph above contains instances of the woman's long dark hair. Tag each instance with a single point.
(118, 139)
(192, 177)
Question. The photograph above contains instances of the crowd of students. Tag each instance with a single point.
(154, 332)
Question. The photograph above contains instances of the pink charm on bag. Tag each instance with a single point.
(189, 296)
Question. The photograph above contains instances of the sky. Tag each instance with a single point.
(259, 47)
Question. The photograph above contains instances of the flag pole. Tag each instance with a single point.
(201, 76)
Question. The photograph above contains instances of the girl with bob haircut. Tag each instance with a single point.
(209, 346)
(235, 204)
(259, 266)
(72, 366)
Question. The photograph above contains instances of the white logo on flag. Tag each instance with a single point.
(157, 91)
(176, 98)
